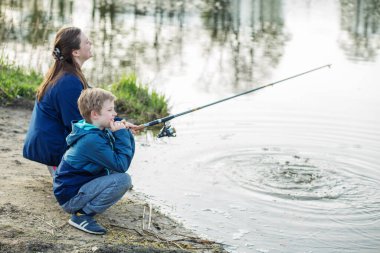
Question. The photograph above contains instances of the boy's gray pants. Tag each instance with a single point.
(99, 194)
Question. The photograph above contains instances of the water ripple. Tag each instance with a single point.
(316, 189)
(286, 174)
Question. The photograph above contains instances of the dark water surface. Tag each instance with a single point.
(292, 168)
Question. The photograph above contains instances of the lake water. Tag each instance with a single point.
(291, 168)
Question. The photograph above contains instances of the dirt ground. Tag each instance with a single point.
(32, 221)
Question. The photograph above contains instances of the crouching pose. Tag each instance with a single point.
(91, 176)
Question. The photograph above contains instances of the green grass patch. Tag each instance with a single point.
(17, 84)
(137, 102)
(134, 100)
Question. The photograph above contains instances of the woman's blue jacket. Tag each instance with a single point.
(51, 120)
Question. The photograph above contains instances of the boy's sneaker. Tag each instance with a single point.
(87, 224)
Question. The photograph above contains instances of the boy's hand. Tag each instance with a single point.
(135, 129)
(116, 125)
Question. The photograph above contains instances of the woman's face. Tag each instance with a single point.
(84, 52)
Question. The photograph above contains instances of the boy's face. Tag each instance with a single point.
(106, 115)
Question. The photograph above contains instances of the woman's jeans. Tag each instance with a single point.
(52, 170)
(99, 194)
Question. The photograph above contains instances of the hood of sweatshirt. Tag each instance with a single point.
(80, 129)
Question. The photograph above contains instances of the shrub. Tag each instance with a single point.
(137, 102)
(16, 83)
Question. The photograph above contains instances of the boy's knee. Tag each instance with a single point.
(125, 181)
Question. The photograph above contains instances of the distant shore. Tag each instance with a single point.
(32, 221)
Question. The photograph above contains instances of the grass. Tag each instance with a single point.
(134, 100)
(16, 83)
(137, 102)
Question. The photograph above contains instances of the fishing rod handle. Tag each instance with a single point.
(152, 123)
(158, 121)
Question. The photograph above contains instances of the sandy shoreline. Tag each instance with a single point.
(32, 221)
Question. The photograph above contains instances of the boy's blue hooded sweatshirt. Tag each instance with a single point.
(92, 153)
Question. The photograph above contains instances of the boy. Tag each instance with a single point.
(91, 176)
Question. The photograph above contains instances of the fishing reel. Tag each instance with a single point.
(167, 131)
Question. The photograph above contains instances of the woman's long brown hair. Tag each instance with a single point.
(66, 40)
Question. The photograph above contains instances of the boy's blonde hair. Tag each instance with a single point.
(92, 99)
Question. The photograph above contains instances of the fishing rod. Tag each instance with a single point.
(168, 131)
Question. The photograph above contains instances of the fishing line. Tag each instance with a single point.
(168, 131)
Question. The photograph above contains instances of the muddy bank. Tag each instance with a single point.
(32, 221)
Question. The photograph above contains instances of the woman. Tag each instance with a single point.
(56, 101)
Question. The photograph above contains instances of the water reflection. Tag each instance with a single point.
(31, 22)
(38, 21)
(246, 37)
(360, 21)
(240, 40)
(253, 30)
(133, 36)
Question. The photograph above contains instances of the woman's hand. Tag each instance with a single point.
(116, 125)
